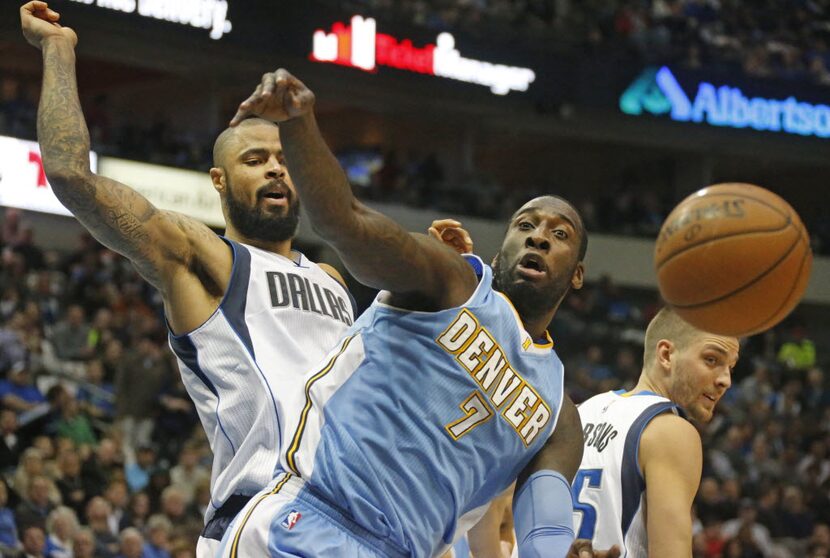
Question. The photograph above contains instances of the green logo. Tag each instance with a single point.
(645, 95)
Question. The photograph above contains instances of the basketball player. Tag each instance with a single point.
(247, 314)
(443, 393)
(642, 460)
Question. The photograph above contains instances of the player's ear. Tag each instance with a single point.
(578, 276)
(217, 176)
(664, 353)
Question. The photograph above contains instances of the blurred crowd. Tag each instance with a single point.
(131, 137)
(765, 490)
(418, 179)
(100, 450)
(101, 453)
(785, 39)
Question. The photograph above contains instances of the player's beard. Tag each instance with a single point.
(259, 224)
(531, 300)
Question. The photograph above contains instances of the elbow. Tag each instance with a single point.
(61, 176)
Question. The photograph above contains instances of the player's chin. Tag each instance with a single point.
(701, 414)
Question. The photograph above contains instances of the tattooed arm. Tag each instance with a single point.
(422, 273)
(157, 242)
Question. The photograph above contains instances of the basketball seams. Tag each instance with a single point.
(722, 237)
(747, 196)
(766, 272)
(786, 215)
(758, 261)
(804, 258)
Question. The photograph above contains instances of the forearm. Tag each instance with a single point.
(115, 214)
(377, 251)
(61, 129)
(670, 536)
(323, 186)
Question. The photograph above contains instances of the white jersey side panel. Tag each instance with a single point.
(609, 488)
(278, 318)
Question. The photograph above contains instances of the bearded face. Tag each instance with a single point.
(266, 220)
(531, 298)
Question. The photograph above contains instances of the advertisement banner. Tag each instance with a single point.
(23, 182)
(185, 191)
(657, 91)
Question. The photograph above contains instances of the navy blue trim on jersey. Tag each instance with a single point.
(628, 394)
(185, 349)
(633, 483)
(352, 301)
(233, 308)
(299, 261)
(236, 295)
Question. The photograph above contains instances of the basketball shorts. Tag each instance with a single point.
(287, 520)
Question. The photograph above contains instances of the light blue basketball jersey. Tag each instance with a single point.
(417, 420)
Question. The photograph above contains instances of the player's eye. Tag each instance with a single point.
(711, 361)
(252, 162)
(526, 226)
(561, 234)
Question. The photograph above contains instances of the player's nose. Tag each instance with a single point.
(275, 169)
(724, 379)
(537, 240)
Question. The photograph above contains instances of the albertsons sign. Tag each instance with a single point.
(657, 92)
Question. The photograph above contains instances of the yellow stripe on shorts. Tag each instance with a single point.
(235, 544)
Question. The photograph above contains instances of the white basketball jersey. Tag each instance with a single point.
(609, 488)
(278, 318)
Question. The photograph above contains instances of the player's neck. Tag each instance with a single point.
(647, 384)
(281, 247)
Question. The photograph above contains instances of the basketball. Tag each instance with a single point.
(733, 259)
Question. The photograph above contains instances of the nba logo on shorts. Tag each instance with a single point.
(291, 519)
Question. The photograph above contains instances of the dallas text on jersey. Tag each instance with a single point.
(302, 294)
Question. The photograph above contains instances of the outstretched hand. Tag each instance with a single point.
(449, 232)
(582, 548)
(279, 97)
(40, 23)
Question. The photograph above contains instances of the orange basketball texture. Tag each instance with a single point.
(733, 259)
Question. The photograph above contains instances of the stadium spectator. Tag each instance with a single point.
(70, 336)
(34, 542)
(189, 473)
(137, 513)
(8, 522)
(84, 544)
(36, 505)
(97, 518)
(131, 543)
(159, 529)
(61, 527)
(75, 492)
(137, 385)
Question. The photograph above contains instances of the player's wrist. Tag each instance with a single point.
(60, 43)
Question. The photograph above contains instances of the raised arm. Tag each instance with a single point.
(671, 458)
(119, 217)
(375, 249)
(542, 507)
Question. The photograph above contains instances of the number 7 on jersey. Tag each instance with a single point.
(477, 412)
